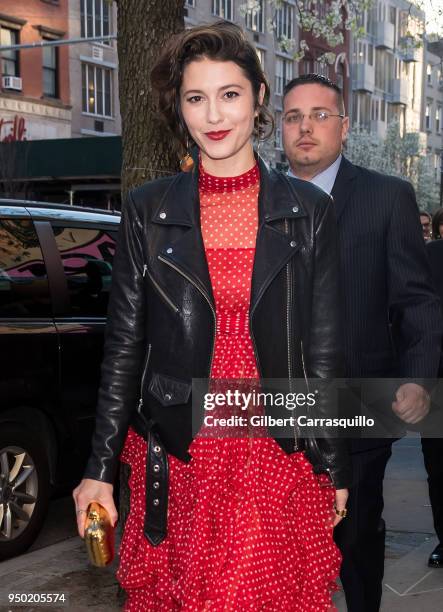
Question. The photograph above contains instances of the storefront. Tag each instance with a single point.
(78, 171)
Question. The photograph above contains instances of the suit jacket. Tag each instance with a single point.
(391, 318)
(434, 250)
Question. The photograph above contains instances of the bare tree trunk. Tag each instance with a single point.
(143, 28)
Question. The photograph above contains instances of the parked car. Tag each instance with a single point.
(55, 276)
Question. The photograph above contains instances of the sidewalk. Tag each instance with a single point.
(409, 585)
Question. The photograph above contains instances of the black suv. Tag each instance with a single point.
(55, 275)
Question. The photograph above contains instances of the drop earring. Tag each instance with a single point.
(258, 136)
(186, 162)
(257, 131)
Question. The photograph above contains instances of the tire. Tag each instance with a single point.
(24, 489)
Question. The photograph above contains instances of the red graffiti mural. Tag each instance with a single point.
(12, 130)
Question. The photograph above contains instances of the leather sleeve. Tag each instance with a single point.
(325, 355)
(123, 350)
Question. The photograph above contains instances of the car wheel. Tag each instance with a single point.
(24, 490)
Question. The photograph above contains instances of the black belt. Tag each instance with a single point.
(157, 480)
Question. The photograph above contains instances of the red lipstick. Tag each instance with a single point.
(217, 135)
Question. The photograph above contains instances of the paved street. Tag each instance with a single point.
(58, 563)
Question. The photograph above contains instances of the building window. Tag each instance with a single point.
(359, 54)
(283, 74)
(307, 66)
(278, 138)
(9, 37)
(438, 118)
(222, 8)
(384, 69)
(371, 20)
(96, 90)
(285, 21)
(375, 107)
(429, 74)
(339, 78)
(50, 71)
(255, 17)
(436, 166)
(321, 68)
(392, 15)
(95, 19)
(190, 3)
(428, 117)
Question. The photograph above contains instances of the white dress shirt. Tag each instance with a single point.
(325, 179)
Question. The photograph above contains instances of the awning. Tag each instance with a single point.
(64, 158)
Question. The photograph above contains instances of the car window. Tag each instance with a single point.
(87, 255)
(24, 288)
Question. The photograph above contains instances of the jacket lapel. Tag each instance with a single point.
(181, 207)
(344, 186)
(274, 247)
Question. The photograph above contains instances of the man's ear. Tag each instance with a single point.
(344, 129)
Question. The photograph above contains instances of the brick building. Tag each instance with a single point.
(35, 93)
(59, 103)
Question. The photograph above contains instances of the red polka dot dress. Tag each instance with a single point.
(247, 524)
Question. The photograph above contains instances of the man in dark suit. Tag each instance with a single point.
(433, 446)
(391, 321)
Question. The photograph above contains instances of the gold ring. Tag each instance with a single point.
(341, 513)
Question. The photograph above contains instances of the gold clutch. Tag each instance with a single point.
(99, 535)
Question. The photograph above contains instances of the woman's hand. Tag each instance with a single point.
(93, 490)
(341, 498)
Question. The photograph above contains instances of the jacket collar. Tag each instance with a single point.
(180, 204)
(274, 248)
(344, 185)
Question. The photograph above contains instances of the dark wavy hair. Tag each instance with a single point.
(437, 219)
(222, 41)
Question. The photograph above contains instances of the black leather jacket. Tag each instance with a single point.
(161, 326)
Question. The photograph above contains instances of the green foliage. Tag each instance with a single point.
(399, 155)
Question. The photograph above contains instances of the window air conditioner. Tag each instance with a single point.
(12, 82)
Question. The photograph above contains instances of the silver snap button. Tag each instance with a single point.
(157, 449)
(156, 468)
(156, 502)
(295, 209)
(162, 215)
(156, 485)
(168, 397)
(169, 250)
(293, 243)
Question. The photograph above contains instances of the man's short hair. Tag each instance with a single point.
(318, 79)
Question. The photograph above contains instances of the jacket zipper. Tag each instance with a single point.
(160, 290)
(289, 330)
(313, 440)
(142, 382)
(205, 295)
